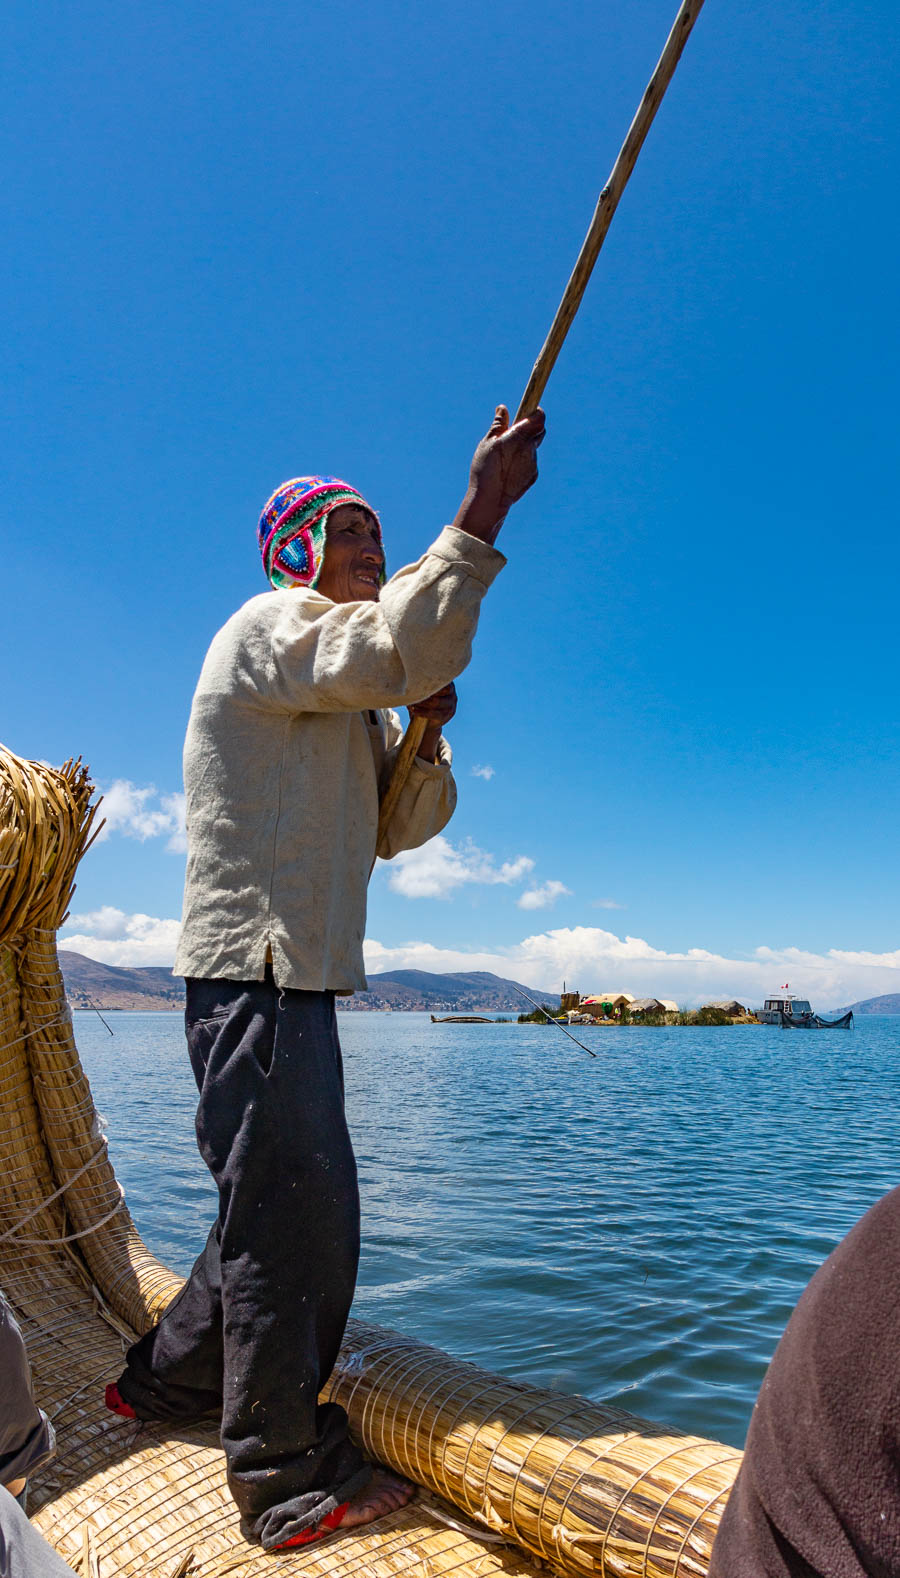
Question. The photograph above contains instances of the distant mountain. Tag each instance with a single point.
(460, 991)
(90, 984)
(890, 1004)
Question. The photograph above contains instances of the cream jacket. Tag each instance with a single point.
(283, 765)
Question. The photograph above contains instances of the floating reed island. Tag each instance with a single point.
(514, 1480)
(622, 1008)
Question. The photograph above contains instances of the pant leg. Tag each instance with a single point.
(272, 1131)
(174, 1373)
(24, 1553)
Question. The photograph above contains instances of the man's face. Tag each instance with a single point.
(351, 568)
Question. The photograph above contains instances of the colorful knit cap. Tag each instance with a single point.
(292, 525)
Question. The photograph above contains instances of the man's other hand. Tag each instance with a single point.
(438, 710)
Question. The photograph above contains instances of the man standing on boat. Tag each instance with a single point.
(288, 748)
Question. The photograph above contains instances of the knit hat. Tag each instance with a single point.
(291, 528)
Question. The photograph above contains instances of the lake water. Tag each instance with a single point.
(635, 1228)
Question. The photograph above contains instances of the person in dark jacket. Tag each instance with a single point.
(818, 1493)
(26, 1441)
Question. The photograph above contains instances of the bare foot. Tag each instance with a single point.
(384, 1493)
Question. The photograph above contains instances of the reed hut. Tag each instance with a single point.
(604, 1005)
(514, 1480)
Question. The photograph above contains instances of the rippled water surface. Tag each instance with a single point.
(635, 1228)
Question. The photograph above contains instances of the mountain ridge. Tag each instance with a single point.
(888, 1004)
(90, 984)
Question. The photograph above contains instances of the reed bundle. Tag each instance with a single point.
(45, 828)
(533, 1479)
(584, 1487)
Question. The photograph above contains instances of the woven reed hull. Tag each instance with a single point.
(533, 1479)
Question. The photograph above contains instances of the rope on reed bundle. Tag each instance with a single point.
(23, 1221)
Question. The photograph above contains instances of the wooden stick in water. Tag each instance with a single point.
(606, 205)
(551, 1021)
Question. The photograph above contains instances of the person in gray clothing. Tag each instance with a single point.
(26, 1441)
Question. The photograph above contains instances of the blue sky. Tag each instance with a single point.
(257, 241)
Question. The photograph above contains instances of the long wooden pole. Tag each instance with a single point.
(607, 203)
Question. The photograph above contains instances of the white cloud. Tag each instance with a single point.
(606, 904)
(128, 810)
(113, 937)
(591, 959)
(174, 807)
(483, 772)
(541, 898)
(880, 961)
(106, 923)
(438, 868)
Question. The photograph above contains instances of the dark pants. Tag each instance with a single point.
(256, 1330)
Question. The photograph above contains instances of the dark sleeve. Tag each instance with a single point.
(818, 1493)
(26, 1434)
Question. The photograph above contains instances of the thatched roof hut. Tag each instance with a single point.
(601, 1004)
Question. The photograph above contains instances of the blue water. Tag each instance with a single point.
(635, 1228)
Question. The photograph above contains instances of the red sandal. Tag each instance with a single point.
(116, 1403)
(329, 1523)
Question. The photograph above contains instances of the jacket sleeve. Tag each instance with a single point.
(297, 651)
(427, 800)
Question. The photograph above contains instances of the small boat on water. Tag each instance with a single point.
(795, 1013)
(461, 1019)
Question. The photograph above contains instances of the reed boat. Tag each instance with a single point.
(461, 1019)
(815, 1022)
(514, 1480)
